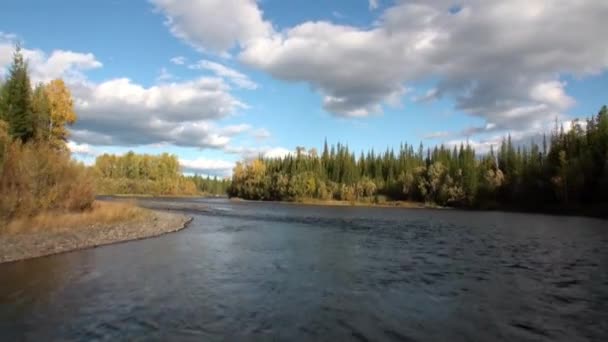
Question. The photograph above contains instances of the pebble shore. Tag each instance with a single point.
(14, 247)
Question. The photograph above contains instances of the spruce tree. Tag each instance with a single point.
(17, 99)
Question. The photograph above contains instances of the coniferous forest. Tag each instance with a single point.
(568, 170)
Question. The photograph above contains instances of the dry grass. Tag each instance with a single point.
(101, 213)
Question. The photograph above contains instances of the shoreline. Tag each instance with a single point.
(599, 212)
(340, 203)
(24, 246)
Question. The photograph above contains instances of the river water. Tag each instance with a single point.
(267, 271)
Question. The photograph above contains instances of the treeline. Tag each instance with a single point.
(36, 172)
(211, 186)
(151, 175)
(569, 170)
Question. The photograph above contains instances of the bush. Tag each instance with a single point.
(34, 178)
(5, 141)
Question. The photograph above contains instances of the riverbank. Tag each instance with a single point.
(338, 203)
(43, 236)
(595, 211)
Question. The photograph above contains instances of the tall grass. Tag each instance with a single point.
(101, 213)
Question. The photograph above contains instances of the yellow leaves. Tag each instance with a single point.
(141, 174)
(60, 99)
(61, 110)
(258, 168)
(36, 177)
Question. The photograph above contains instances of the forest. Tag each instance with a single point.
(569, 170)
(147, 174)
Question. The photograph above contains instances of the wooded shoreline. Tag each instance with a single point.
(600, 212)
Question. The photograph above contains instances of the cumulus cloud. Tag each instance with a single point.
(43, 68)
(214, 25)
(519, 138)
(373, 4)
(84, 150)
(499, 61)
(122, 112)
(207, 166)
(237, 78)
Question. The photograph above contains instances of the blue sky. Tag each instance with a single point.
(220, 81)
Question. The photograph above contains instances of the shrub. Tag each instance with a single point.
(35, 177)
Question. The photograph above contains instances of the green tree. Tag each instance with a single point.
(17, 99)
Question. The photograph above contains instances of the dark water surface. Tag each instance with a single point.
(263, 271)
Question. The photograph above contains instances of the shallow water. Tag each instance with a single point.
(264, 271)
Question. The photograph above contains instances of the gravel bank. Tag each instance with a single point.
(21, 246)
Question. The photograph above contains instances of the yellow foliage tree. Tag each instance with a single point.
(61, 111)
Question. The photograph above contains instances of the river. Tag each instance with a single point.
(269, 271)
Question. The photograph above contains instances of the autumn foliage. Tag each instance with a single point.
(37, 174)
(37, 178)
(141, 174)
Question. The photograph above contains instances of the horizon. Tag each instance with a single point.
(263, 77)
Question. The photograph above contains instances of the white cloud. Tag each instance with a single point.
(178, 60)
(43, 68)
(277, 152)
(552, 93)
(121, 112)
(239, 79)
(499, 61)
(215, 25)
(81, 149)
(200, 99)
(373, 4)
(518, 138)
(248, 153)
(207, 166)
